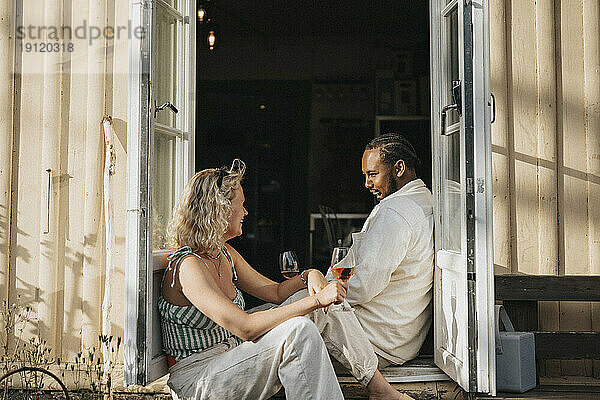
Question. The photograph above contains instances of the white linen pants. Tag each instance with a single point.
(292, 355)
(344, 338)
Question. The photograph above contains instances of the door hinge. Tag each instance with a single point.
(469, 185)
(480, 185)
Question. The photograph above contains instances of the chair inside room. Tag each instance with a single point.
(332, 226)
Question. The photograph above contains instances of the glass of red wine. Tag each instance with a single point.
(342, 267)
(288, 264)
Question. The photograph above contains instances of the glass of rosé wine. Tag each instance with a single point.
(288, 264)
(342, 267)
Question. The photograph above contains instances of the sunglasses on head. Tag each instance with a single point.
(236, 166)
(223, 172)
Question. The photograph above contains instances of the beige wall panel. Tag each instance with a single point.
(524, 85)
(575, 204)
(524, 109)
(546, 79)
(29, 175)
(547, 240)
(48, 319)
(118, 111)
(546, 144)
(6, 129)
(74, 238)
(591, 42)
(93, 263)
(501, 217)
(119, 256)
(574, 316)
(500, 129)
(76, 97)
(527, 217)
(498, 71)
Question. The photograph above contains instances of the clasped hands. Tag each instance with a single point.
(327, 293)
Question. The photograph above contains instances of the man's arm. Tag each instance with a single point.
(378, 251)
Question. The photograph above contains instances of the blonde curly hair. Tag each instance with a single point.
(200, 216)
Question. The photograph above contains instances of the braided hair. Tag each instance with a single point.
(393, 147)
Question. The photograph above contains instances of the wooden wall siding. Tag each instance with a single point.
(546, 144)
(501, 141)
(59, 102)
(591, 35)
(6, 115)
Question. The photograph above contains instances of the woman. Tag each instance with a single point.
(217, 350)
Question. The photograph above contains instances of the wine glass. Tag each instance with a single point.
(345, 270)
(342, 267)
(288, 264)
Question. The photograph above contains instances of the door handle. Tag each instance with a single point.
(456, 98)
(166, 104)
(444, 112)
(492, 103)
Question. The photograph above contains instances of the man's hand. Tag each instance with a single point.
(316, 281)
(334, 293)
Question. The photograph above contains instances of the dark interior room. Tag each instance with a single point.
(296, 90)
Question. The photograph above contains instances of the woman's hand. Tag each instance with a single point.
(316, 281)
(334, 293)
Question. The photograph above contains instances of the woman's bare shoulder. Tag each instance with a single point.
(231, 249)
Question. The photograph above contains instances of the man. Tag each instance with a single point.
(391, 287)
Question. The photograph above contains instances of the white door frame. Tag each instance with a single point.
(141, 363)
(475, 369)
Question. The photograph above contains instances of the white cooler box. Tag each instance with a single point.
(515, 357)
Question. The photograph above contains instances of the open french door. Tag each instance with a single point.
(461, 146)
(160, 159)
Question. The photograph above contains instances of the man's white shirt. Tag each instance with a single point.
(392, 285)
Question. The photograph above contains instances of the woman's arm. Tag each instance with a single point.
(201, 289)
(258, 285)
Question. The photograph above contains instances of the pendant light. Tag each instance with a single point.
(211, 39)
(201, 14)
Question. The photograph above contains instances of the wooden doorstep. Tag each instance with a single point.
(403, 374)
(418, 390)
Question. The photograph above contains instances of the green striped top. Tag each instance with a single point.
(185, 329)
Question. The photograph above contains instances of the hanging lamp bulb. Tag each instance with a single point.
(211, 39)
(201, 14)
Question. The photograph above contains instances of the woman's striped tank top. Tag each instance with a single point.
(185, 329)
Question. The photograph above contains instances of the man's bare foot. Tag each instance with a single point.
(380, 389)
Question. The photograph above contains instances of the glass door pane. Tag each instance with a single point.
(451, 66)
(168, 76)
(167, 65)
(163, 186)
(450, 185)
